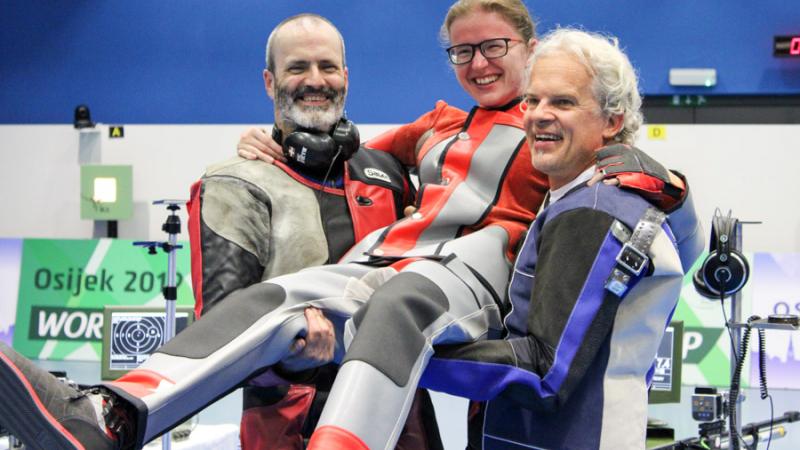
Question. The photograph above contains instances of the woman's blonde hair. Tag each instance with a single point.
(514, 11)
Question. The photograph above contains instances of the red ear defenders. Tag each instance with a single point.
(314, 152)
(725, 270)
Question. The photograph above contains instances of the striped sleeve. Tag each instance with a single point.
(570, 314)
(569, 318)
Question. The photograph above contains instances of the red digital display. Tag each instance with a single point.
(787, 46)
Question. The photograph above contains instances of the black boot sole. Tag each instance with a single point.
(22, 413)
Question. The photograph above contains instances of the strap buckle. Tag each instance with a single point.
(630, 263)
(631, 259)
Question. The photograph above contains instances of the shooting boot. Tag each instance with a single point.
(45, 413)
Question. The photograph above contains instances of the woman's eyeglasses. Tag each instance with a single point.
(490, 49)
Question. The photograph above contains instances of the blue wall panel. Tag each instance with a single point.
(183, 61)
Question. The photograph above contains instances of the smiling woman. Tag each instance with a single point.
(495, 75)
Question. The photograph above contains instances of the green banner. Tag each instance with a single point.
(706, 343)
(64, 285)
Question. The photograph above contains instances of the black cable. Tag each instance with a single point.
(722, 292)
(739, 357)
(771, 420)
(319, 192)
(735, 387)
(762, 372)
(736, 382)
(762, 363)
(330, 167)
(325, 179)
(734, 355)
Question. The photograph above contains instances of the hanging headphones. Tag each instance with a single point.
(310, 151)
(725, 270)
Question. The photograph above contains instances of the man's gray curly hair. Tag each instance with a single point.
(615, 84)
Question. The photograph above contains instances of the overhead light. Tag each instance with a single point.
(105, 190)
(693, 77)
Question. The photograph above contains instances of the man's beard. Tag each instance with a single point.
(321, 118)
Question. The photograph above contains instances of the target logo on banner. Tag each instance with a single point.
(135, 335)
(133, 339)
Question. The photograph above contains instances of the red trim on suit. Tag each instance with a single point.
(306, 182)
(193, 207)
(140, 382)
(335, 438)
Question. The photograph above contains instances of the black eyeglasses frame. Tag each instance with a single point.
(479, 46)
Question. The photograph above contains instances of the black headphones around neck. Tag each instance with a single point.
(725, 270)
(316, 153)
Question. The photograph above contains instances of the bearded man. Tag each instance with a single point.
(251, 221)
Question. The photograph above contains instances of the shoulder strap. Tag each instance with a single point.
(632, 259)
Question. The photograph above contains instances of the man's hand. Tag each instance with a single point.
(316, 348)
(631, 168)
(255, 143)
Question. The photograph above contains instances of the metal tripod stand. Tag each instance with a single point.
(172, 226)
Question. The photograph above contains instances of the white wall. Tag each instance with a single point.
(751, 169)
(41, 174)
(748, 168)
